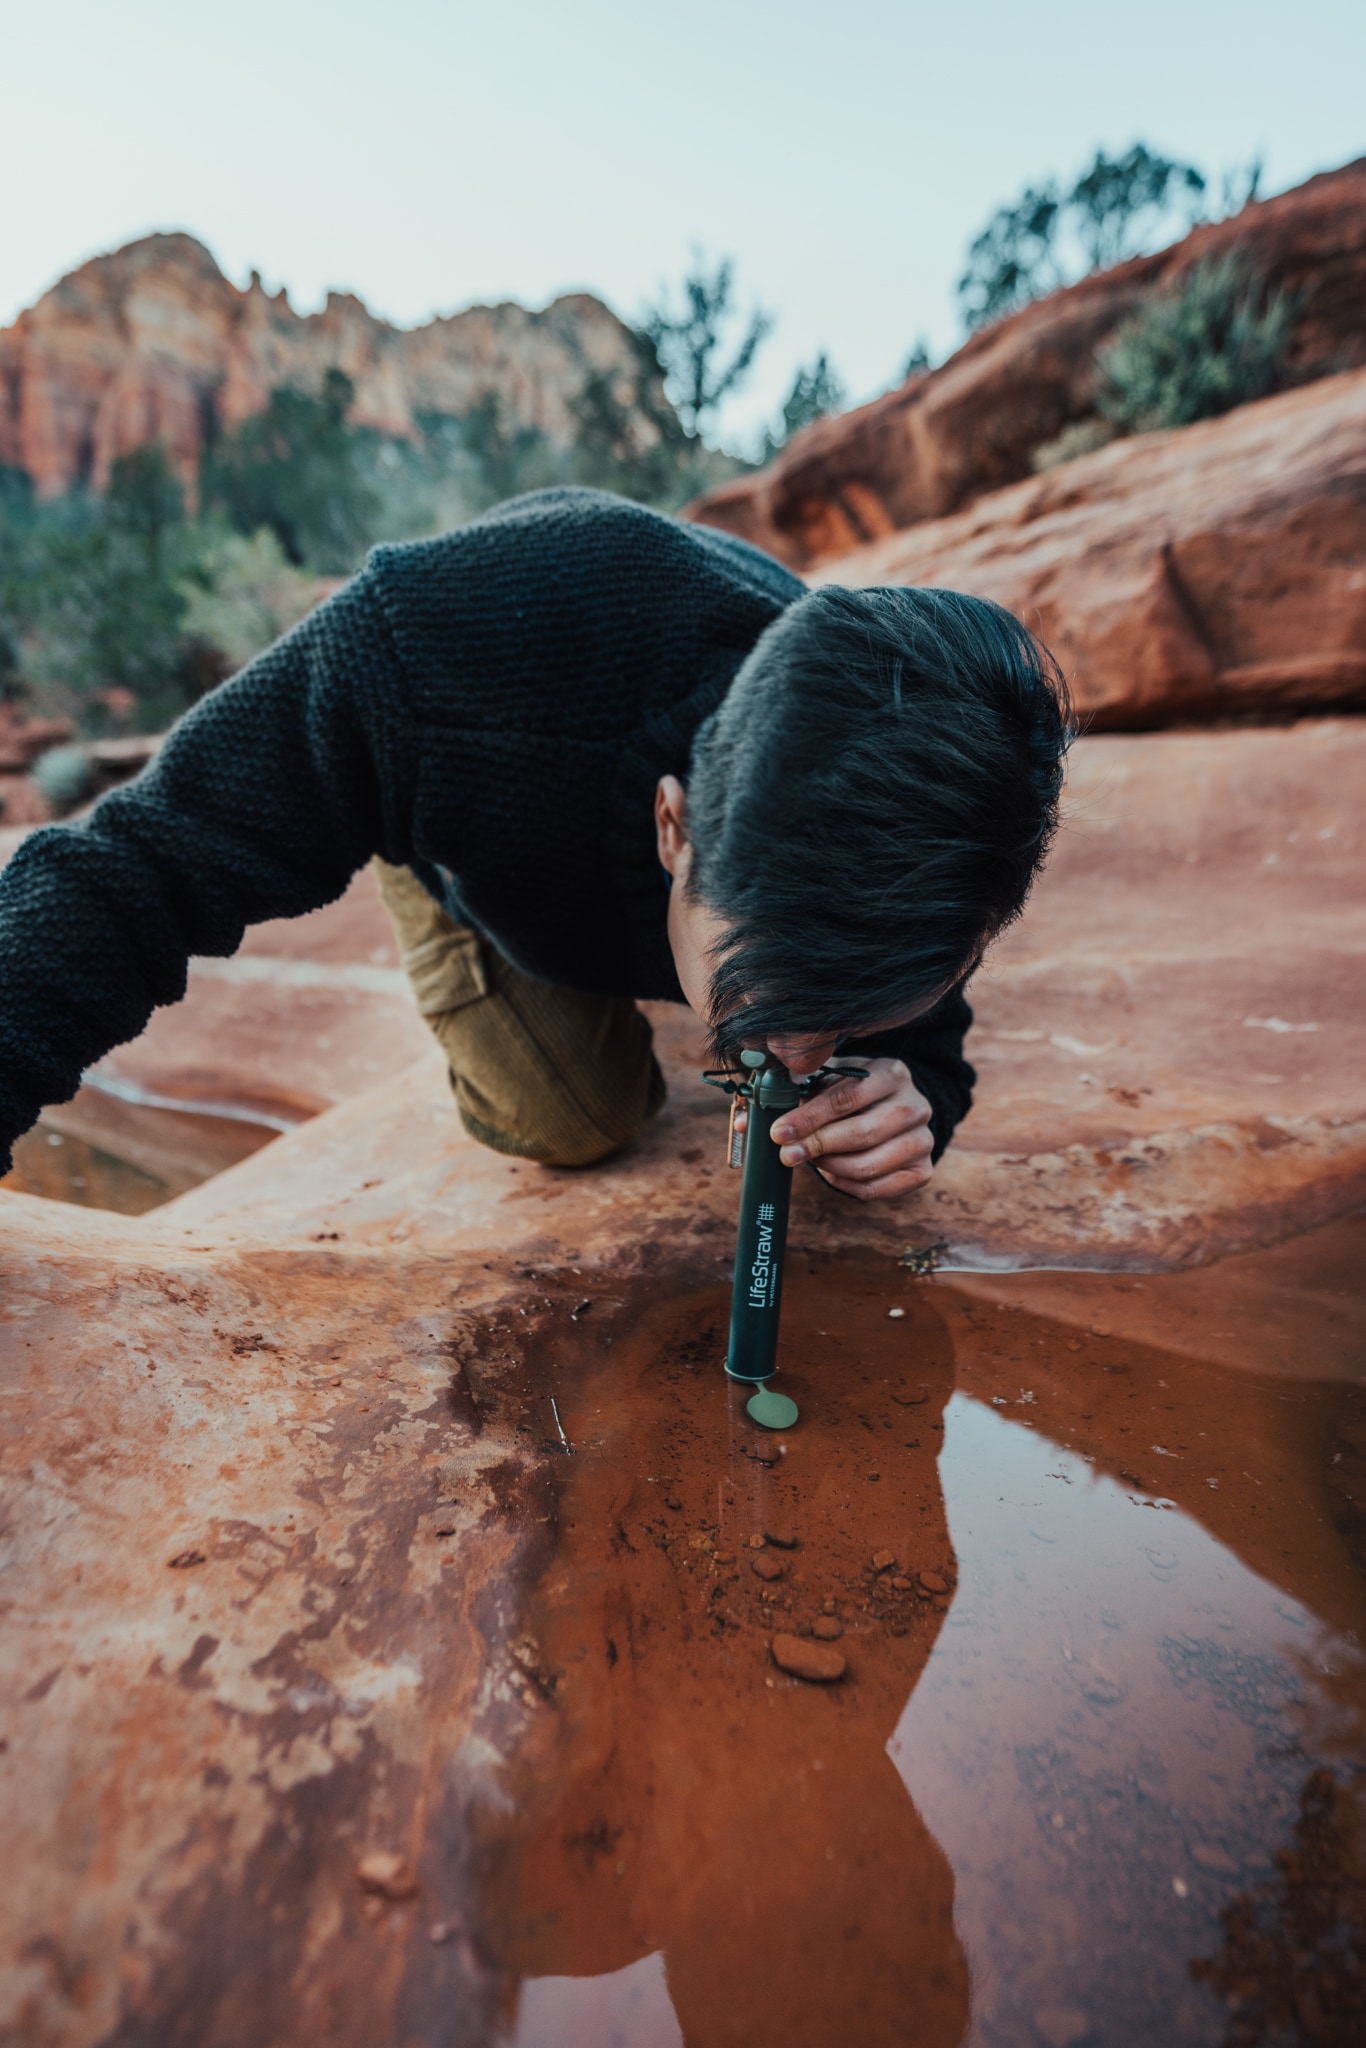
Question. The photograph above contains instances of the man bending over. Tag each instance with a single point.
(594, 754)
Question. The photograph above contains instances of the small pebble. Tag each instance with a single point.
(901, 1585)
(756, 1542)
(933, 1582)
(671, 1500)
(910, 1400)
(766, 1453)
(1062, 2026)
(765, 1566)
(812, 1661)
(875, 1475)
(386, 1874)
(782, 1535)
(827, 1629)
(883, 1560)
(895, 1314)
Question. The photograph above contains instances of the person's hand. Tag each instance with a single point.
(870, 1139)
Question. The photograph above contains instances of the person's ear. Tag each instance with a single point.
(671, 826)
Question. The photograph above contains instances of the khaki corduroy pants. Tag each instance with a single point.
(542, 1072)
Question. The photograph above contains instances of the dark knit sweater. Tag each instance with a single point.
(492, 708)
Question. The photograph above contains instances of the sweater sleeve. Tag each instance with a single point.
(932, 1048)
(263, 802)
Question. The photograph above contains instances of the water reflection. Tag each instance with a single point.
(682, 1796)
(1292, 1962)
(1024, 1821)
(105, 1150)
(1108, 1739)
(630, 2008)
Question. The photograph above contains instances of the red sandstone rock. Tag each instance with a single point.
(1217, 569)
(22, 803)
(974, 423)
(1170, 1050)
(801, 1658)
(23, 739)
(277, 1370)
(150, 342)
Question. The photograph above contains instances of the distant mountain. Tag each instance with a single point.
(153, 343)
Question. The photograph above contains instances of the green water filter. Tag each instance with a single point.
(761, 1239)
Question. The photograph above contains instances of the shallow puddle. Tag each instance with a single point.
(107, 1151)
(1093, 1771)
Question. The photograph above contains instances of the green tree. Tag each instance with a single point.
(1120, 202)
(1014, 259)
(690, 342)
(1049, 237)
(136, 604)
(93, 597)
(630, 439)
(300, 469)
(509, 458)
(1214, 341)
(814, 395)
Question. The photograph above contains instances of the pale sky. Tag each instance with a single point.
(428, 156)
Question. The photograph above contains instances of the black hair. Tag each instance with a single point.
(869, 807)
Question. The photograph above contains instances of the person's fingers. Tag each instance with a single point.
(843, 1098)
(885, 1120)
(905, 1182)
(907, 1150)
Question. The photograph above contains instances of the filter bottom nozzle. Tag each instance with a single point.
(770, 1410)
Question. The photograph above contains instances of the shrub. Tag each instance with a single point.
(1079, 437)
(1214, 341)
(295, 468)
(241, 592)
(65, 776)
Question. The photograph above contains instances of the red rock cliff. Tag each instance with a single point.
(974, 423)
(152, 343)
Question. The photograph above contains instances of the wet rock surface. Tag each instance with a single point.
(383, 1661)
(428, 1671)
